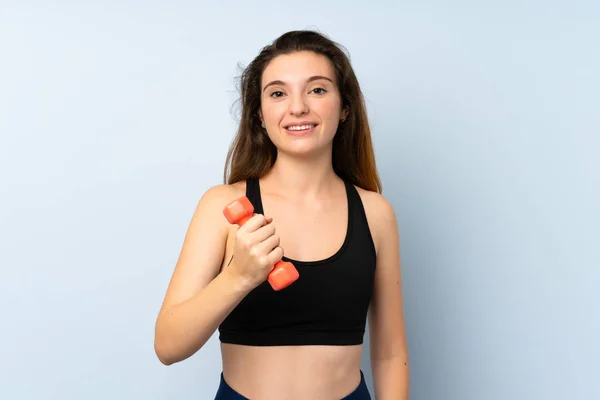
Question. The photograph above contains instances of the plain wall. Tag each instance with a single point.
(115, 117)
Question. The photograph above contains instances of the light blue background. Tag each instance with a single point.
(115, 117)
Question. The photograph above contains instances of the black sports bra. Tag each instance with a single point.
(328, 303)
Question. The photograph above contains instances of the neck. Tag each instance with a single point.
(302, 177)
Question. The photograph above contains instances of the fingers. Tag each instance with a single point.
(267, 253)
(266, 246)
(275, 255)
(262, 233)
(269, 219)
(254, 223)
(257, 236)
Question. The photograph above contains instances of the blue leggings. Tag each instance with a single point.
(225, 391)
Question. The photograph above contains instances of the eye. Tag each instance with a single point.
(276, 93)
(319, 90)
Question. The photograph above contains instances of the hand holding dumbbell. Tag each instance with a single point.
(257, 246)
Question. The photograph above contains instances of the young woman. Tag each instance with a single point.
(303, 157)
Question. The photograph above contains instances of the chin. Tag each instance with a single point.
(304, 150)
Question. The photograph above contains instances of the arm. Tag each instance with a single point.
(389, 352)
(198, 298)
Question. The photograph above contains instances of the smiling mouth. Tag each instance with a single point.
(300, 128)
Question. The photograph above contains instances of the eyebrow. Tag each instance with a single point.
(312, 78)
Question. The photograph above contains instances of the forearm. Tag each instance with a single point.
(391, 378)
(183, 329)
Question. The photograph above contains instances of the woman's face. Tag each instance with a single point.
(300, 103)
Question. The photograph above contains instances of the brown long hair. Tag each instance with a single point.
(252, 153)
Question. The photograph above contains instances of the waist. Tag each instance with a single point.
(298, 371)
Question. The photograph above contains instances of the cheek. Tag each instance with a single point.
(329, 107)
(273, 112)
(330, 112)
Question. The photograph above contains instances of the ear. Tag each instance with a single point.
(260, 115)
(344, 114)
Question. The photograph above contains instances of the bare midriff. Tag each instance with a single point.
(292, 372)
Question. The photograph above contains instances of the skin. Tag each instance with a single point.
(306, 214)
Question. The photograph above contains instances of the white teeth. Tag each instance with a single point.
(299, 127)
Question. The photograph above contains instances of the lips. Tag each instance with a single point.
(301, 126)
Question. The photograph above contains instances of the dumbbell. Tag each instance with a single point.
(283, 273)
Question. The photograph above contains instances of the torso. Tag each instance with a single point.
(313, 232)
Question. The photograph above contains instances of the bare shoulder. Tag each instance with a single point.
(208, 218)
(221, 195)
(381, 215)
(208, 211)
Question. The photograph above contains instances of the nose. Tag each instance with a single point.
(298, 105)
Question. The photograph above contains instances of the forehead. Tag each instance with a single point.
(297, 67)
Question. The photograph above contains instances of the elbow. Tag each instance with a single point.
(163, 347)
(164, 360)
(168, 351)
(160, 348)
(169, 356)
(164, 356)
(172, 346)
